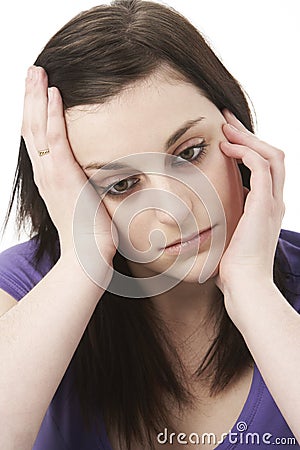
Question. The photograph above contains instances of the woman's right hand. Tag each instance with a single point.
(59, 177)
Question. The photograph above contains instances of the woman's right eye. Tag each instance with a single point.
(122, 187)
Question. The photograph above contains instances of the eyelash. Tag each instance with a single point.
(202, 147)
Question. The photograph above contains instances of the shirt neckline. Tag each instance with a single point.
(248, 412)
(245, 417)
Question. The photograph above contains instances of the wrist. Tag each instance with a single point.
(96, 275)
(245, 297)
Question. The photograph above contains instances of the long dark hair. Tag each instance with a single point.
(125, 366)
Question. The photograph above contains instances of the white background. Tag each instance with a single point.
(257, 40)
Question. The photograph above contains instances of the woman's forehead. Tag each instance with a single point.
(160, 87)
(143, 117)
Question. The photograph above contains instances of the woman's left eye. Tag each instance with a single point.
(192, 153)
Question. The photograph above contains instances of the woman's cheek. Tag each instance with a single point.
(131, 231)
(138, 233)
(224, 175)
(110, 206)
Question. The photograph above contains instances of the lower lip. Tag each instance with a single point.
(186, 247)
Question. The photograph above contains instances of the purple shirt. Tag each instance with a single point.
(260, 423)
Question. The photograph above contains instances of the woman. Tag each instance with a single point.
(123, 108)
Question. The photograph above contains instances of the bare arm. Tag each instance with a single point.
(268, 323)
(271, 329)
(6, 302)
(39, 335)
(38, 339)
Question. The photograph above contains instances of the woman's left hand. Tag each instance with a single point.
(267, 321)
(250, 254)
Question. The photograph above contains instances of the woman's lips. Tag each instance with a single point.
(187, 244)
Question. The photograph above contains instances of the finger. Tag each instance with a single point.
(272, 154)
(233, 120)
(35, 108)
(56, 127)
(26, 132)
(229, 116)
(261, 182)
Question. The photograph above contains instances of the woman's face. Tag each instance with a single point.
(147, 122)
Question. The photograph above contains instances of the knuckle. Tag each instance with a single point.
(28, 91)
(254, 137)
(53, 137)
(36, 128)
(280, 155)
(266, 164)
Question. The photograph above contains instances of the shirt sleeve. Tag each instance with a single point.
(18, 270)
(289, 243)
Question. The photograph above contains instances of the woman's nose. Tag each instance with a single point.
(172, 200)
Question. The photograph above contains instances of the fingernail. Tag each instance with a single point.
(225, 144)
(232, 127)
(36, 74)
(241, 132)
(30, 73)
(227, 111)
(50, 94)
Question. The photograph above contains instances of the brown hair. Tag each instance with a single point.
(124, 363)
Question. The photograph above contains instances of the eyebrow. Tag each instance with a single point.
(171, 141)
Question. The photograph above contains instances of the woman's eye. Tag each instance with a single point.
(122, 186)
(188, 154)
(191, 153)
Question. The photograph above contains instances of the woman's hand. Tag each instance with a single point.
(250, 254)
(57, 174)
(267, 321)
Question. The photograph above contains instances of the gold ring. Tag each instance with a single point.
(44, 152)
